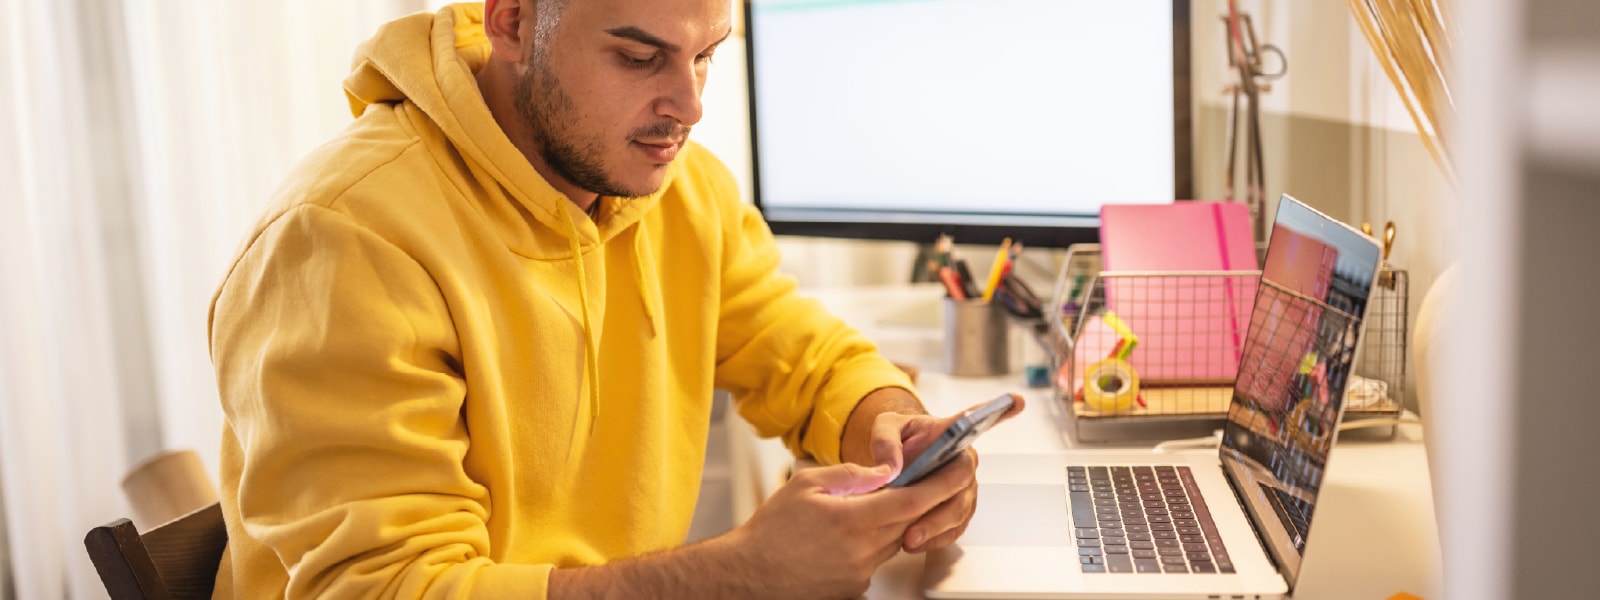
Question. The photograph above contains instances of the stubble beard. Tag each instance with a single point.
(550, 115)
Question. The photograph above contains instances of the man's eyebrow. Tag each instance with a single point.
(636, 34)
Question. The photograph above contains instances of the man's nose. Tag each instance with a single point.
(680, 96)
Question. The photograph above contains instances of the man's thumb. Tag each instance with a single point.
(851, 478)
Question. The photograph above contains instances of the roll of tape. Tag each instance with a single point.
(1110, 385)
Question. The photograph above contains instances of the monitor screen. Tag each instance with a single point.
(899, 119)
(1297, 360)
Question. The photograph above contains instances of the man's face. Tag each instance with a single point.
(610, 97)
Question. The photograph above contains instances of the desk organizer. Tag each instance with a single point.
(1177, 379)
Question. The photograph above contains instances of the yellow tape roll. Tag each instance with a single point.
(1111, 385)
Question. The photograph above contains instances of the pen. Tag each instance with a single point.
(968, 284)
(1014, 305)
(1019, 289)
(1017, 304)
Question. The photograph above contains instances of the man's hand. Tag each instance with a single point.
(897, 436)
(825, 532)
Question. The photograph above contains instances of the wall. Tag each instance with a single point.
(1335, 132)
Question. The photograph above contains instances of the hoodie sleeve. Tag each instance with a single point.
(794, 369)
(336, 361)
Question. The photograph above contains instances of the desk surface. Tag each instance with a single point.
(1375, 529)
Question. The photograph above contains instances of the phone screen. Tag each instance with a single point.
(955, 439)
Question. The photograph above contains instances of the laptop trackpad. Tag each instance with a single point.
(1020, 515)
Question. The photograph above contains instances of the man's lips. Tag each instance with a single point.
(659, 150)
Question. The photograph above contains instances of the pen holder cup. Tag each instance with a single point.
(975, 339)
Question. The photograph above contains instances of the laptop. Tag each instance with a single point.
(1235, 524)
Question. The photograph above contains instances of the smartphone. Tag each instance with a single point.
(955, 439)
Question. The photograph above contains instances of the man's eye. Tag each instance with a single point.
(704, 58)
(638, 63)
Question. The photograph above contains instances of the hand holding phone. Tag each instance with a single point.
(955, 439)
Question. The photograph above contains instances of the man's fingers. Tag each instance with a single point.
(956, 474)
(887, 552)
(922, 433)
(940, 523)
(1017, 404)
(954, 511)
(886, 442)
(899, 506)
(906, 504)
(942, 540)
(846, 479)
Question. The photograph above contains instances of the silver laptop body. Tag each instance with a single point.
(1259, 490)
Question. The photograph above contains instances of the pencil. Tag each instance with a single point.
(997, 269)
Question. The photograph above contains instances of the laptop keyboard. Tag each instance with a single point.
(1291, 511)
(1143, 520)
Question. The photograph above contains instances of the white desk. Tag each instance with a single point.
(1375, 530)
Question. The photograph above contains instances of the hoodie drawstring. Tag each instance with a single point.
(590, 352)
(639, 238)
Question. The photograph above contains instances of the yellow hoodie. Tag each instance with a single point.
(441, 379)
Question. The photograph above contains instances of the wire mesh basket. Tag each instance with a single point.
(1163, 348)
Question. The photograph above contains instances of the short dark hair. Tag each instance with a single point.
(549, 17)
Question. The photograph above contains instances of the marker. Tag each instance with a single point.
(952, 283)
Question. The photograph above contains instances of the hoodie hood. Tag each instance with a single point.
(430, 60)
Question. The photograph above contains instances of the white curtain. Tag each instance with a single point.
(138, 141)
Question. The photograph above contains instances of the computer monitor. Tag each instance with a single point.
(984, 119)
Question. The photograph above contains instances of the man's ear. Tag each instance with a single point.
(503, 25)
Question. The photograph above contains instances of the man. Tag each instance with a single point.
(469, 351)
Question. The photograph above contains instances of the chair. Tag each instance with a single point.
(177, 560)
(166, 486)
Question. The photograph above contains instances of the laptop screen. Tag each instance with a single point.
(1298, 355)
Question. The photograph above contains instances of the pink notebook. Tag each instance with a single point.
(1191, 328)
